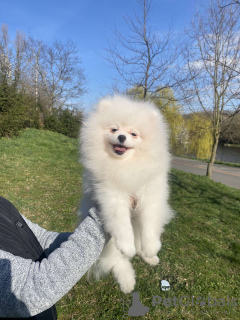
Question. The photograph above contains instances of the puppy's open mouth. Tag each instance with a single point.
(119, 149)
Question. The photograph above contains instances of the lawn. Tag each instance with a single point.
(200, 256)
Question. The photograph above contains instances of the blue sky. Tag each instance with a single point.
(89, 23)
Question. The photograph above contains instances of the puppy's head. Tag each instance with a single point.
(121, 141)
(123, 129)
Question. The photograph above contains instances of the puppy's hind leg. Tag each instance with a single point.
(111, 259)
(124, 274)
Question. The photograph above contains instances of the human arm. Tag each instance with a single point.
(28, 288)
(45, 237)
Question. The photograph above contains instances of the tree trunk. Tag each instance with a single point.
(213, 156)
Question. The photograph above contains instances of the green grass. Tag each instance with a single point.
(229, 164)
(200, 255)
(39, 172)
(232, 145)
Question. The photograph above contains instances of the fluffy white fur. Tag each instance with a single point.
(128, 179)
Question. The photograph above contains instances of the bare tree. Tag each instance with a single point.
(6, 65)
(34, 52)
(213, 61)
(62, 74)
(20, 61)
(13, 62)
(145, 58)
(228, 3)
(58, 76)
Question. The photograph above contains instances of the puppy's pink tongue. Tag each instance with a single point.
(120, 148)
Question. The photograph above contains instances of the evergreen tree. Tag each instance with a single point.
(12, 110)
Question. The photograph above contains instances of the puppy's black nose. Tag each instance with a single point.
(121, 138)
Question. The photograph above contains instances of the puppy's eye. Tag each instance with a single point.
(114, 130)
(133, 134)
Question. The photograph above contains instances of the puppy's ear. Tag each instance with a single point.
(154, 116)
(103, 105)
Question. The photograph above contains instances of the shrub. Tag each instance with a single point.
(64, 121)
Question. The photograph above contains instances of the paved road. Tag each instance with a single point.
(220, 173)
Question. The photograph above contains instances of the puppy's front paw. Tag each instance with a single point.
(127, 285)
(151, 248)
(126, 247)
(153, 261)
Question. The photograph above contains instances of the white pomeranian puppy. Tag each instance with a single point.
(124, 150)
